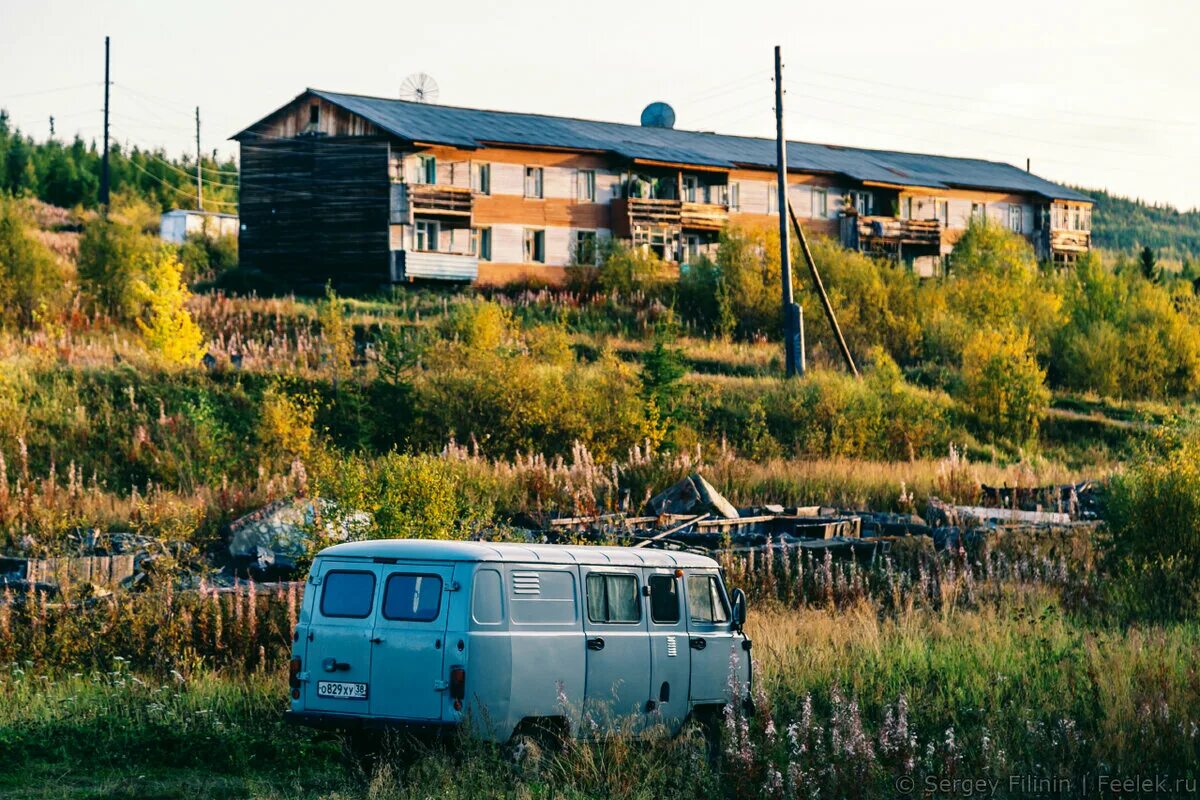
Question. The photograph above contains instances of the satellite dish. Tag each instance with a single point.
(419, 88)
(658, 115)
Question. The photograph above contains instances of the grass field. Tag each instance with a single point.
(850, 702)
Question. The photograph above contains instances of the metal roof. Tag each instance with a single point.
(441, 550)
(473, 128)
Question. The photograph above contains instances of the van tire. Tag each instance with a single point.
(708, 720)
(536, 739)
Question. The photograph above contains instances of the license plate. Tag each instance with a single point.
(341, 690)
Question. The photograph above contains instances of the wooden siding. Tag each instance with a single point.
(315, 209)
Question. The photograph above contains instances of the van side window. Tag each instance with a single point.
(348, 594)
(705, 601)
(542, 597)
(664, 598)
(485, 599)
(412, 598)
(613, 598)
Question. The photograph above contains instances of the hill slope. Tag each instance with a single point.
(1119, 223)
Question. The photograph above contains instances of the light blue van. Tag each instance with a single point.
(429, 635)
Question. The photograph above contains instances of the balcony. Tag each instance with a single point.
(891, 234)
(430, 199)
(409, 265)
(1074, 242)
(642, 212)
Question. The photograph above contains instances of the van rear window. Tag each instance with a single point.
(348, 594)
(412, 598)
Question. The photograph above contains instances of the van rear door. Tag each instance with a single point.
(338, 657)
(407, 677)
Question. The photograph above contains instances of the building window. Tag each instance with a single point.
(691, 248)
(978, 211)
(1016, 218)
(533, 182)
(772, 199)
(820, 203)
(943, 207)
(481, 178)
(314, 114)
(585, 185)
(735, 197)
(481, 243)
(863, 203)
(584, 247)
(426, 169)
(691, 188)
(535, 245)
(426, 232)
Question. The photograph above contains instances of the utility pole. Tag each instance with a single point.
(51, 126)
(793, 321)
(104, 158)
(199, 182)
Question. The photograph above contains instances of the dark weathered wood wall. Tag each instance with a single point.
(316, 209)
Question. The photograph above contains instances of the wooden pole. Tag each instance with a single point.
(104, 157)
(793, 352)
(199, 181)
(816, 276)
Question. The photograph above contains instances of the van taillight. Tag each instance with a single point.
(458, 686)
(294, 677)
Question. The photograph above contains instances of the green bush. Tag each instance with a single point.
(1003, 388)
(32, 281)
(112, 256)
(1153, 515)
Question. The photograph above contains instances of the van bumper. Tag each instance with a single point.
(348, 722)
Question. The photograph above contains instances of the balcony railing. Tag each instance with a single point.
(889, 233)
(704, 216)
(409, 265)
(430, 199)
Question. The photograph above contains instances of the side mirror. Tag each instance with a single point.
(739, 609)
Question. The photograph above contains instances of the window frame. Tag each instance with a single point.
(637, 594)
(690, 188)
(1016, 214)
(863, 202)
(530, 252)
(715, 590)
(437, 612)
(585, 185)
(734, 199)
(426, 167)
(678, 597)
(577, 237)
(820, 203)
(540, 174)
(481, 177)
(431, 227)
(481, 242)
(325, 590)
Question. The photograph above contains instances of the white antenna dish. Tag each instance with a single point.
(419, 88)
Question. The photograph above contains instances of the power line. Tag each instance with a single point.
(52, 91)
(175, 188)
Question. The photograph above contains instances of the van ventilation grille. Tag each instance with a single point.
(672, 648)
(526, 583)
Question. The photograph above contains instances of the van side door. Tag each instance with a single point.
(670, 656)
(618, 648)
(408, 645)
(338, 657)
(710, 637)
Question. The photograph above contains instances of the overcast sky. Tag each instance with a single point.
(1100, 94)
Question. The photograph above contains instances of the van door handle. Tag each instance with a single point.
(376, 640)
(698, 643)
(595, 644)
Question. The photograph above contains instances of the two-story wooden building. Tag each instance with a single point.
(352, 188)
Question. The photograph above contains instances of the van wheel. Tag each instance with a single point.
(535, 741)
(707, 723)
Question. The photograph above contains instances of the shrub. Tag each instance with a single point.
(1153, 515)
(166, 325)
(1003, 387)
(32, 281)
(111, 259)
(285, 429)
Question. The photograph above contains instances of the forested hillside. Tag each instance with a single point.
(67, 174)
(1121, 224)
